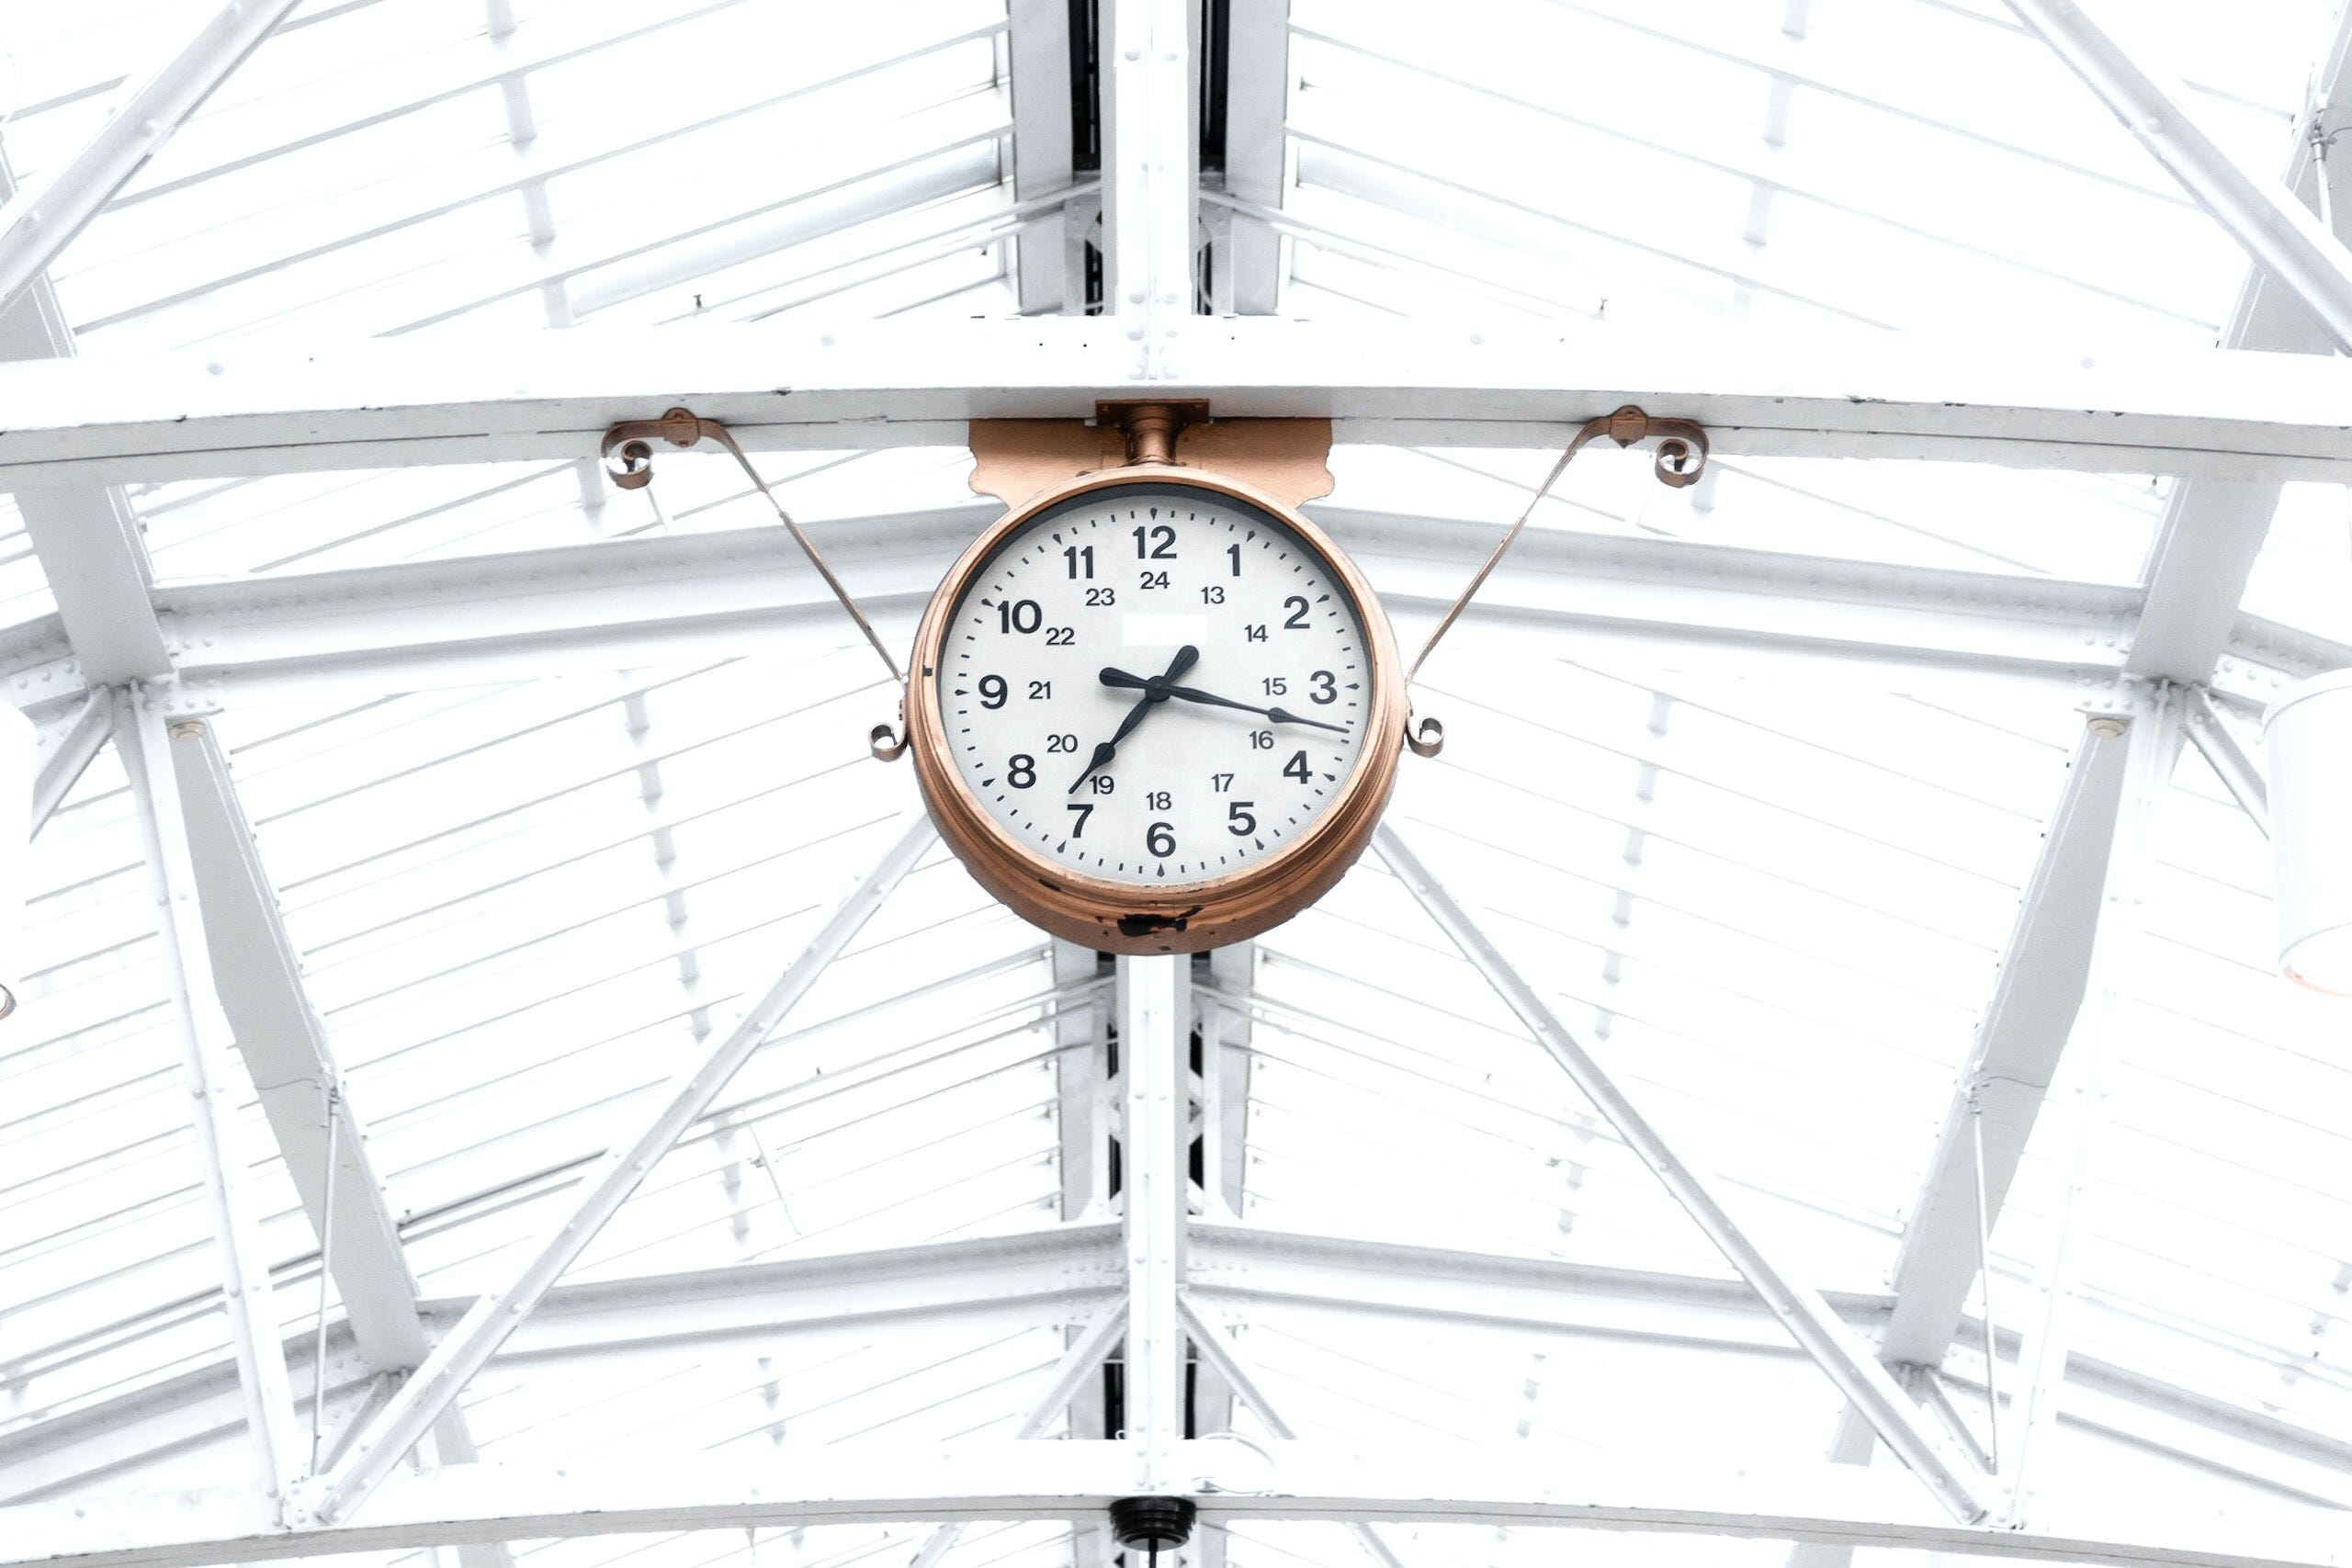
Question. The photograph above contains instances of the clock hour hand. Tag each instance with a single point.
(1194, 694)
(1155, 691)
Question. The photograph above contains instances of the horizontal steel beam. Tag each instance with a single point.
(1354, 1481)
(646, 600)
(1045, 1275)
(889, 384)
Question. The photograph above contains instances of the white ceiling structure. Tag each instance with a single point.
(503, 1075)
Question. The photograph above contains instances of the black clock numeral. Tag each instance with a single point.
(1296, 767)
(1327, 687)
(1235, 551)
(1262, 741)
(1161, 840)
(1212, 595)
(1297, 608)
(1078, 829)
(1239, 820)
(1257, 631)
(1162, 546)
(1156, 801)
(1079, 556)
(1153, 580)
(1276, 686)
(1061, 743)
(1041, 691)
(1102, 784)
(1220, 782)
(1019, 615)
(1021, 770)
(992, 691)
(1061, 636)
(1095, 596)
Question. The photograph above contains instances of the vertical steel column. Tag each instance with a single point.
(1151, 158)
(1155, 1182)
(256, 1331)
(2152, 745)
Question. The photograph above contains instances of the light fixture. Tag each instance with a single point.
(2308, 734)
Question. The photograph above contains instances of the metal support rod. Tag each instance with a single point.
(1219, 1353)
(207, 1051)
(1080, 1361)
(469, 1346)
(1809, 1319)
(326, 1270)
(1155, 1186)
(76, 748)
(1985, 1286)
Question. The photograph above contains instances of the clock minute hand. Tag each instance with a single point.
(1194, 694)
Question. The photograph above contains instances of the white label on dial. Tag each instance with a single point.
(1070, 633)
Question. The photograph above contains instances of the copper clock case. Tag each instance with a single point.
(1119, 917)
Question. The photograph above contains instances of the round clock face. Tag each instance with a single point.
(1155, 684)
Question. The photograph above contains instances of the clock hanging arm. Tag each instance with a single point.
(628, 462)
(1681, 458)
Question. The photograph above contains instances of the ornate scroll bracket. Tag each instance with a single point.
(1681, 458)
(633, 470)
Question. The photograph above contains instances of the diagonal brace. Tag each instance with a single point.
(469, 1347)
(1808, 1318)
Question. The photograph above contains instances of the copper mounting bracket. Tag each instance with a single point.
(1151, 428)
(635, 438)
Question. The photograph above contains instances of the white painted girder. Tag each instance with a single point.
(2020, 1037)
(1346, 1482)
(592, 1329)
(1037, 47)
(380, 1448)
(645, 600)
(41, 220)
(888, 384)
(1809, 1319)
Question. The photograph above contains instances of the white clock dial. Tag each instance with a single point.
(1172, 612)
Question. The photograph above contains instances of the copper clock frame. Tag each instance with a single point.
(1119, 917)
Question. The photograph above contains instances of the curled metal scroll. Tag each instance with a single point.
(1682, 457)
(628, 462)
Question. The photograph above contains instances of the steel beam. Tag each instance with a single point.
(1154, 1188)
(552, 395)
(1079, 1363)
(1809, 1319)
(285, 1047)
(1220, 1355)
(2119, 936)
(210, 1068)
(2212, 530)
(40, 221)
(1038, 48)
(590, 1328)
(2227, 755)
(2020, 1037)
(1351, 1482)
(70, 754)
(1256, 148)
(640, 601)
(1150, 172)
(2278, 232)
(379, 1450)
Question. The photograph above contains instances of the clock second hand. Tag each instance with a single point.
(1155, 691)
(1120, 678)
